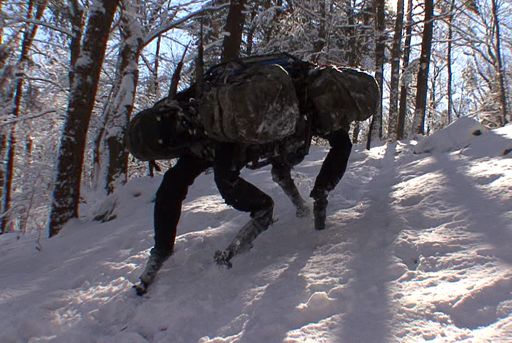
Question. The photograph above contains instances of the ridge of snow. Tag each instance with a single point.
(470, 136)
(417, 249)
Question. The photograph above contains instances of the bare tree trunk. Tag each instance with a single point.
(66, 192)
(1, 30)
(350, 32)
(4, 54)
(321, 40)
(356, 129)
(234, 27)
(499, 68)
(352, 57)
(395, 72)
(97, 152)
(77, 25)
(449, 62)
(252, 30)
(402, 111)
(432, 105)
(120, 111)
(156, 85)
(422, 82)
(26, 44)
(375, 133)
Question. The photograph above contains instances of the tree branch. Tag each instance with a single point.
(164, 28)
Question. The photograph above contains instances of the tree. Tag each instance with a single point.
(26, 44)
(422, 80)
(395, 72)
(352, 55)
(479, 27)
(66, 192)
(110, 155)
(120, 109)
(449, 72)
(341, 32)
(234, 27)
(76, 17)
(500, 72)
(322, 38)
(402, 110)
(375, 133)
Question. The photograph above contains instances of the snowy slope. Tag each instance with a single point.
(417, 249)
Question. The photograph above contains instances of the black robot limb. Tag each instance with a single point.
(243, 196)
(281, 174)
(167, 211)
(330, 174)
(170, 196)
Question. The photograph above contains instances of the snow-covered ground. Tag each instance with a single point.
(418, 248)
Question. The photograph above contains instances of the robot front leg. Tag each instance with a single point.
(281, 174)
(330, 174)
(319, 208)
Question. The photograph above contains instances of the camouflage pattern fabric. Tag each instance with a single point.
(253, 105)
(341, 96)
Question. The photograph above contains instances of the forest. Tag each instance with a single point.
(72, 73)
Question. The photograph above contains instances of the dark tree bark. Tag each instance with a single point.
(395, 72)
(66, 192)
(3, 58)
(155, 82)
(422, 81)
(1, 29)
(402, 110)
(432, 99)
(26, 44)
(77, 26)
(234, 27)
(252, 30)
(375, 133)
(499, 67)
(321, 40)
(449, 75)
(356, 129)
(352, 55)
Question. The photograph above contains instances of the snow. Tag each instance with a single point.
(417, 249)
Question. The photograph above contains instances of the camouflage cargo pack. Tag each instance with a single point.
(248, 103)
(341, 96)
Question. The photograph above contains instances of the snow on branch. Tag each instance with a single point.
(152, 35)
(8, 120)
(41, 23)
